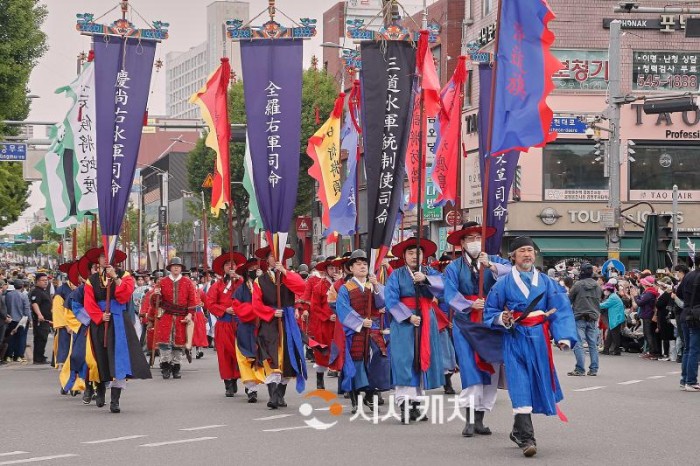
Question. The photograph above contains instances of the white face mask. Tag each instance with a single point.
(474, 248)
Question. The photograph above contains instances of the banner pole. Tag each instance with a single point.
(489, 135)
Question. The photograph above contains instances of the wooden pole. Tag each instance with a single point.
(205, 254)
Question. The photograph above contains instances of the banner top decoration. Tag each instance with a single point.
(236, 30)
(357, 30)
(120, 28)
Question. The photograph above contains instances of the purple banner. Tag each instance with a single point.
(272, 73)
(122, 82)
(501, 167)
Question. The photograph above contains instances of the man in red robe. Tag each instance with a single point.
(321, 316)
(220, 303)
(178, 301)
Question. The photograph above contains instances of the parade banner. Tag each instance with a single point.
(343, 215)
(324, 151)
(122, 80)
(449, 148)
(426, 90)
(272, 73)
(501, 170)
(387, 78)
(68, 170)
(212, 100)
(525, 67)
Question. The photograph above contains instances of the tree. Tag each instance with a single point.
(181, 236)
(22, 43)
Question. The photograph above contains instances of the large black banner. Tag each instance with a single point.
(387, 77)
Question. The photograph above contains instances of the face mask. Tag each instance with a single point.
(252, 274)
(258, 273)
(474, 248)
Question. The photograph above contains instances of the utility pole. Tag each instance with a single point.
(615, 101)
(674, 219)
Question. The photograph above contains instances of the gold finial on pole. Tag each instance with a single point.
(271, 9)
(125, 8)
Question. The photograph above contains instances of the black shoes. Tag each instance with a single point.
(100, 394)
(88, 393)
(188, 355)
(281, 390)
(479, 426)
(165, 369)
(229, 383)
(176, 371)
(272, 392)
(449, 390)
(320, 385)
(523, 434)
(114, 400)
(252, 396)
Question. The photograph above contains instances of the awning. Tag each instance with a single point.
(573, 247)
(595, 247)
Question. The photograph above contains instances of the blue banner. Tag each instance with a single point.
(122, 81)
(272, 76)
(501, 168)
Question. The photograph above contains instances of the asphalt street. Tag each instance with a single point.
(632, 413)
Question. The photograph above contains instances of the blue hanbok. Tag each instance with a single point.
(400, 296)
(461, 289)
(532, 379)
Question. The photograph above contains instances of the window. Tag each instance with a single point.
(657, 167)
(487, 7)
(572, 173)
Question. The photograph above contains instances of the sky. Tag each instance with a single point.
(187, 29)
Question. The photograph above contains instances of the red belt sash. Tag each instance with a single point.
(425, 305)
(477, 316)
(542, 320)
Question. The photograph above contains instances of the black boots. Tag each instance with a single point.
(252, 396)
(276, 392)
(114, 400)
(320, 385)
(368, 400)
(478, 427)
(100, 394)
(188, 355)
(353, 401)
(523, 434)
(469, 428)
(415, 412)
(176, 371)
(229, 384)
(88, 393)
(449, 390)
(165, 369)
(272, 392)
(281, 390)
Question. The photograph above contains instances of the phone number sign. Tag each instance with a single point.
(665, 71)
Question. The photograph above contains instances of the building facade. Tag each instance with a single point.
(564, 187)
(186, 72)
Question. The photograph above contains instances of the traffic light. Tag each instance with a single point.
(664, 232)
(675, 104)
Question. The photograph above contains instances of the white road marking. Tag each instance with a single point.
(674, 373)
(115, 439)
(629, 382)
(327, 408)
(213, 426)
(36, 459)
(270, 418)
(653, 377)
(12, 453)
(287, 428)
(588, 389)
(175, 442)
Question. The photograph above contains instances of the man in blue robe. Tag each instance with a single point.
(416, 355)
(479, 378)
(359, 308)
(535, 309)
